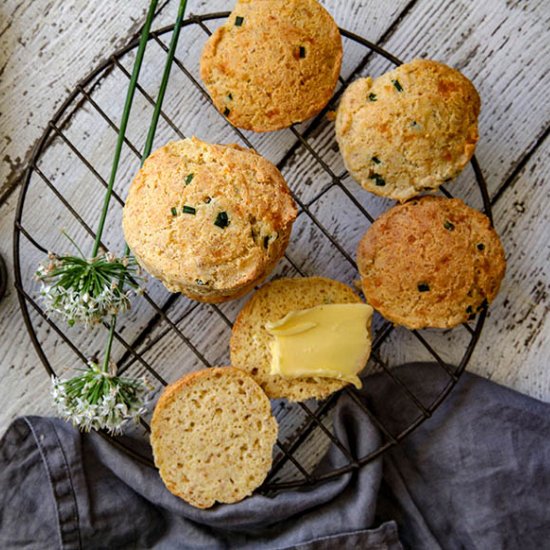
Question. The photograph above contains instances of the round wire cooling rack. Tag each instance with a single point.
(305, 429)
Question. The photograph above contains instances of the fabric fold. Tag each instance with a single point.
(117, 502)
(475, 475)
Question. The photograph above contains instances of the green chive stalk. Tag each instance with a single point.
(148, 142)
(124, 122)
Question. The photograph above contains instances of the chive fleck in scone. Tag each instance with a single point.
(210, 221)
(431, 262)
(212, 435)
(273, 63)
(409, 130)
(250, 339)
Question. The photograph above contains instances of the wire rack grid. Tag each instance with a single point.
(305, 427)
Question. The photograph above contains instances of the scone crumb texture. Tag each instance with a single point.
(212, 435)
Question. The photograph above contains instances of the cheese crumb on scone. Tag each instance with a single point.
(409, 130)
(273, 63)
(431, 262)
(209, 221)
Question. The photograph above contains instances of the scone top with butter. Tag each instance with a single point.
(209, 221)
(431, 262)
(273, 63)
(409, 130)
(302, 338)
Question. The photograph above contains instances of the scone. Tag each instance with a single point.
(272, 64)
(212, 436)
(410, 130)
(250, 341)
(209, 221)
(431, 262)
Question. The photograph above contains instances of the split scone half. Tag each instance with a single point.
(298, 320)
(212, 435)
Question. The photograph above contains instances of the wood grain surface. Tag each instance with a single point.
(501, 45)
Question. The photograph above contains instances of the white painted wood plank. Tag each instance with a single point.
(515, 345)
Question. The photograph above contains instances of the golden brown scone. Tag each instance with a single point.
(212, 435)
(409, 130)
(431, 262)
(250, 340)
(273, 63)
(210, 221)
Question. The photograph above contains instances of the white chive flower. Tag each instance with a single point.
(84, 290)
(100, 400)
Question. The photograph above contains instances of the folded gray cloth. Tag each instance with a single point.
(476, 475)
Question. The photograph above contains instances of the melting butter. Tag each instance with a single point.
(328, 341)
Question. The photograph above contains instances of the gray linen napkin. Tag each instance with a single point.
(477, 475)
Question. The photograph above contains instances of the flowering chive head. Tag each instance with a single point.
(100, 400)
(84, 290)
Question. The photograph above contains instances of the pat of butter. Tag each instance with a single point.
(328, 341)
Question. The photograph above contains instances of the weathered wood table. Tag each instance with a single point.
(502, 45)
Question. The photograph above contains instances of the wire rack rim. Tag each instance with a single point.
(102, 71)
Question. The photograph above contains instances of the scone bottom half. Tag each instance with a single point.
(209, 221)
(251, 341)
(432, 262)
(212, 435)
(410, 130)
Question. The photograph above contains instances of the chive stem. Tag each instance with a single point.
(107, 354)
(397, 85)
(449, 226)
(150, 135)
(124, 121)
(379, 181)
(222, 220)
